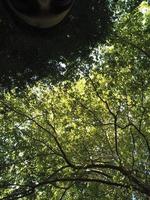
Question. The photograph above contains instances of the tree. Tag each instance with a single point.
(30, 54)
(87, 139)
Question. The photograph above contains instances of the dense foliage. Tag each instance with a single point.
(87, 139)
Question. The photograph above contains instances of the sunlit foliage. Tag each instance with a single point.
(87, 139)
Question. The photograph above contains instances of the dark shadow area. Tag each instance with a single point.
(28, 54)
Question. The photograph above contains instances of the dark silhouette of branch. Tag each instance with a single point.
(43, 128)
(65, 191)
(112, 114)
(142, 134)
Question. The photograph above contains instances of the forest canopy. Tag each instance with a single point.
(87, 138)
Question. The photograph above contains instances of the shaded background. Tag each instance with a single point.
(28, 54)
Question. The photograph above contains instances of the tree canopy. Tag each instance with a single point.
(28, 54)
(88, 138)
